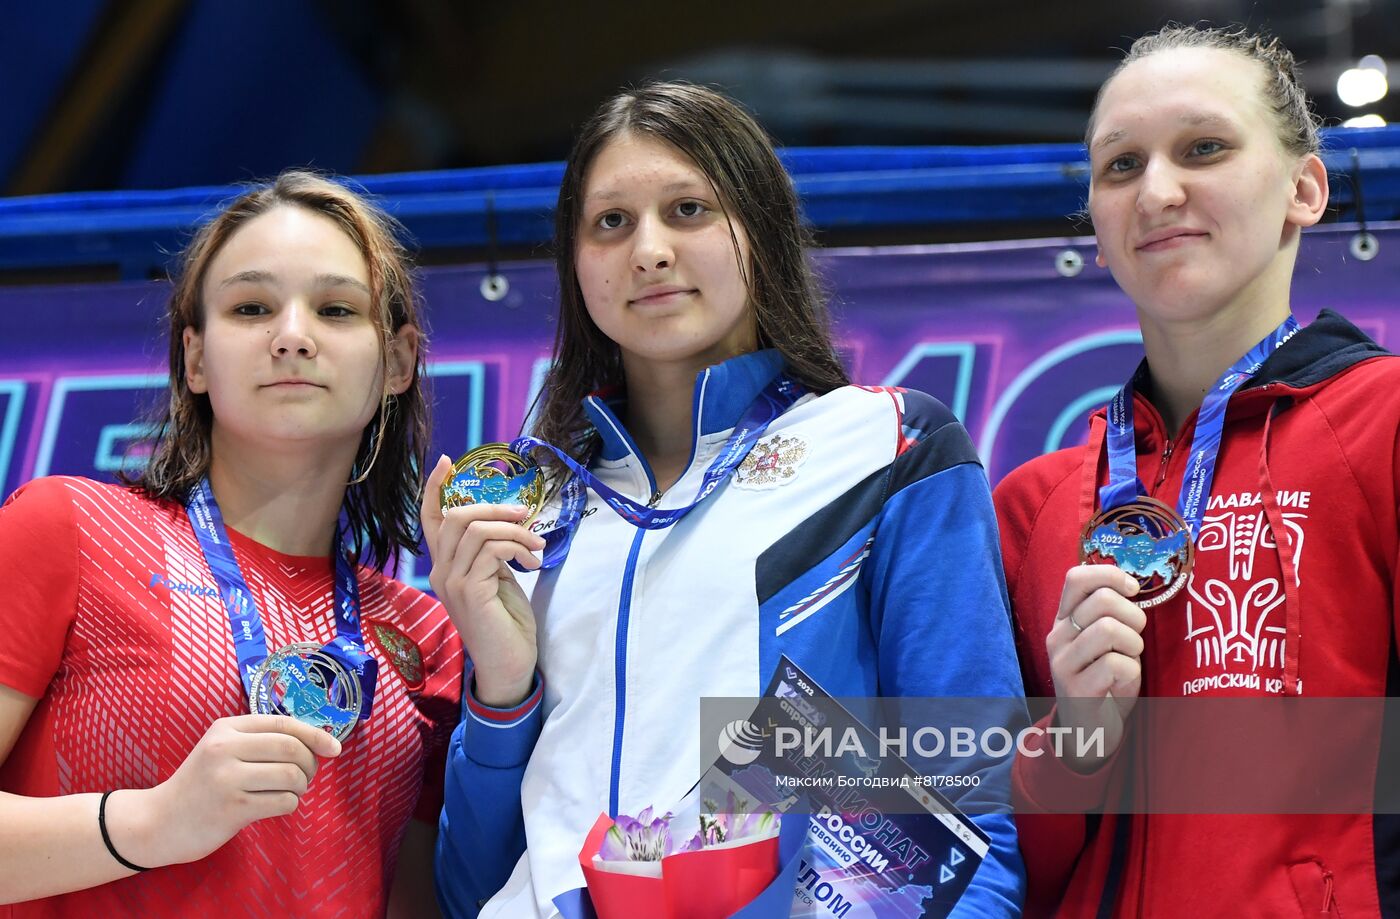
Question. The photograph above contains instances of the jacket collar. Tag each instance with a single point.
(1319, 351)
(722, 393)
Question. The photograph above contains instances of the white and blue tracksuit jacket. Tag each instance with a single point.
(874, 566)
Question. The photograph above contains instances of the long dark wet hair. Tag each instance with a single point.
(737, 157)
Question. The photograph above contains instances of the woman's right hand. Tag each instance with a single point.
(470, 547)
(245, 768)
(1095, 649)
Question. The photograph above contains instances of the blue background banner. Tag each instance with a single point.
(1016, 343)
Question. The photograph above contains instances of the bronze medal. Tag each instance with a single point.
(1148, 540)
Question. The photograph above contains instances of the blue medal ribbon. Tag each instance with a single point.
(775, 399)
(249, 638)
(1124, 486)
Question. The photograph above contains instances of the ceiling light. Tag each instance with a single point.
(1363, 84)
(1364, 121)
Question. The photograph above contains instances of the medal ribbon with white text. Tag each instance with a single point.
(249, 638)
(1124, 485)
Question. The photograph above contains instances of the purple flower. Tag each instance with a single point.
(735, 821)
(644, 839)
(637, 840)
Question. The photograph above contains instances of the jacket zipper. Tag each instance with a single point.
(1162, 469)
(1167, 450)
(624, 613)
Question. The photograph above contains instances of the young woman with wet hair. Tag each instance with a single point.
(144, 622)
(1269, 450)
(688, 313)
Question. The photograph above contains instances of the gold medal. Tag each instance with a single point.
(494, 474)
(1146, 539)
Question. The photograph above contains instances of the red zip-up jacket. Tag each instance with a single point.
(1309, 450)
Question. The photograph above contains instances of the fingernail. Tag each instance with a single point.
(444, 457)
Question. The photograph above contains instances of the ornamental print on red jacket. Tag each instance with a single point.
(1306, 480)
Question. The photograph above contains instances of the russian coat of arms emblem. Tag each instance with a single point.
(772, 462)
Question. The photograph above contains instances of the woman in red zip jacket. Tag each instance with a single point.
(1244, 481)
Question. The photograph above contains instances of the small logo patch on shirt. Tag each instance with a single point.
(401, 651)
(772, 462)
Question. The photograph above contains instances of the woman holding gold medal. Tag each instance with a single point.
(211, 701)
(1241, 489)
(724, 497)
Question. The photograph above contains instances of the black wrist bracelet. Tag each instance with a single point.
(107, 839)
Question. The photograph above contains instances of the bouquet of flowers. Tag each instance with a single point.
(635, 866)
